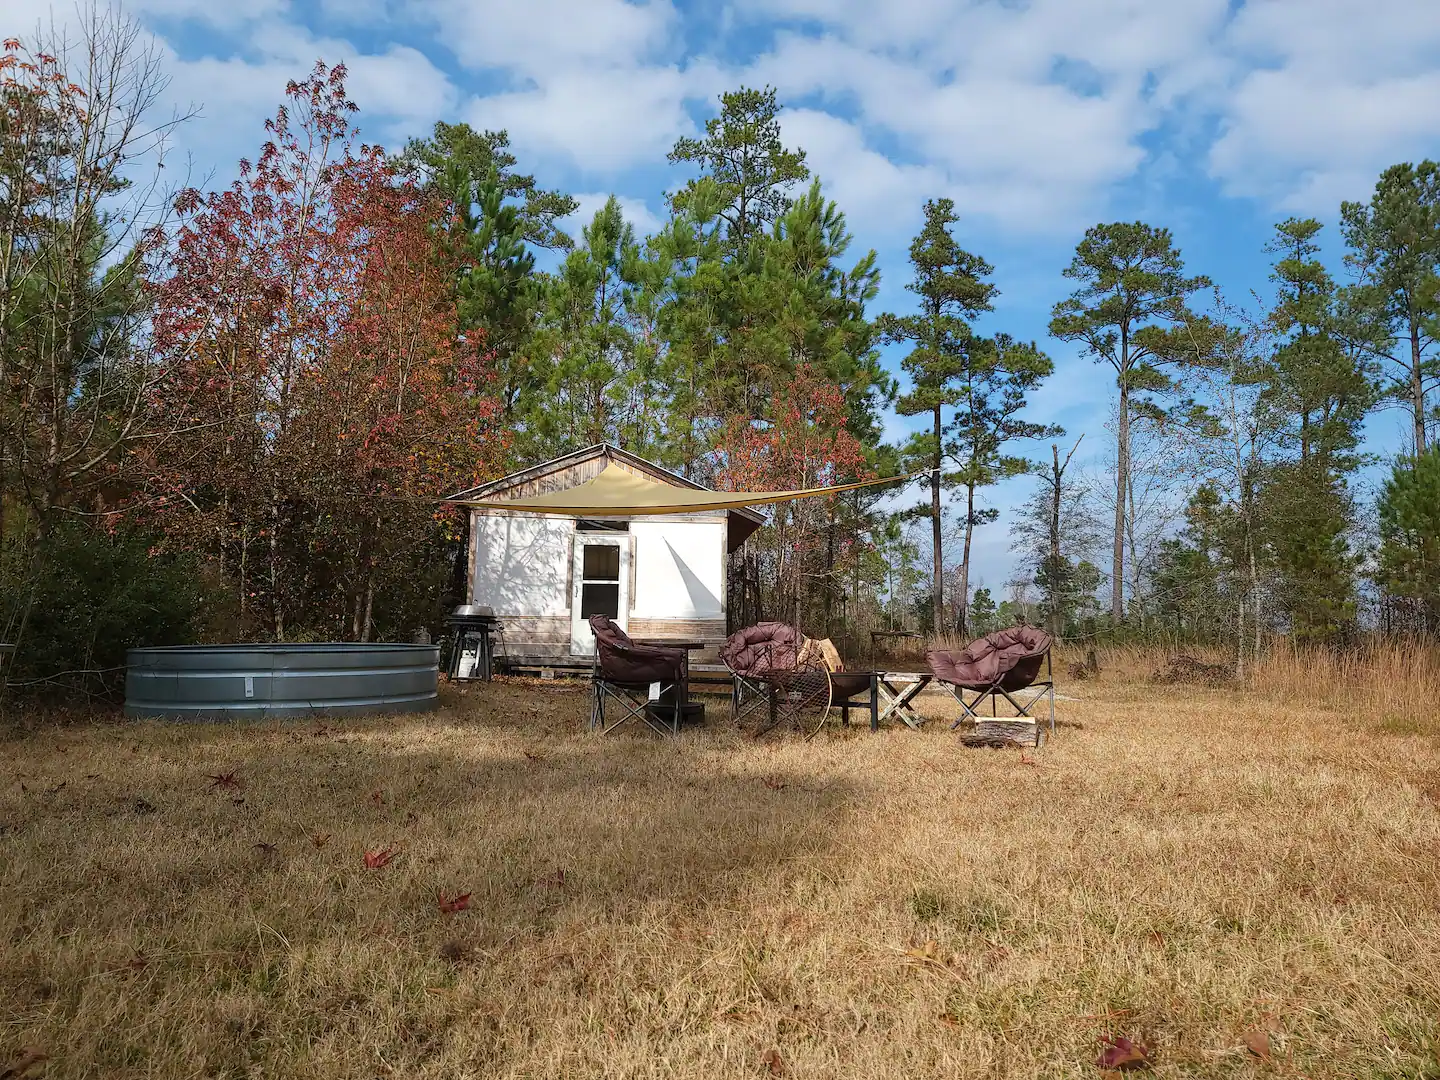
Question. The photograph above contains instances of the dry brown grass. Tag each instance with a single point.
(1184, 869)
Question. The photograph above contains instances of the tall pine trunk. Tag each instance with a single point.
(1056, 585)
(962, 614)
(938, 584)
(1122, 489)
(1417, 388)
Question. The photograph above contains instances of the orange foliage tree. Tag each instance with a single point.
(793, 570)
(324, 396)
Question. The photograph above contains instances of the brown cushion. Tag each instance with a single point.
(762, 648)
(1010, 659)
(623, 661)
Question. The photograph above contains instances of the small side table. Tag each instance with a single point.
(898, 689)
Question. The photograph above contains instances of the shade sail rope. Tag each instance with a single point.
(618, 493)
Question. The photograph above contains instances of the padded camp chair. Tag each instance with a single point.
(626, 673)
(998, 665)
(776, 680)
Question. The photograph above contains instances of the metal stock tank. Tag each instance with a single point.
(243, 682)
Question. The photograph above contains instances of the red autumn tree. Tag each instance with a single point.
(326, 398)
(806, 444)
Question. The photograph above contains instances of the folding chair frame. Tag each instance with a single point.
(1046, 685)
(784, 695)
(633, 699)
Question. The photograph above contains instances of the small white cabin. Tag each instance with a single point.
(659, 577)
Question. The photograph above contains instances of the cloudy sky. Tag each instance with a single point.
(1039, 118)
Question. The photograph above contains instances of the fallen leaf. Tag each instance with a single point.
(1258, 1043)
(226, 780)
(925, 952)
(374, 860)
(24, 1064)
(1123, 1054)
(773, 1062)
(454, 904)
(319, 839)
(455, 951)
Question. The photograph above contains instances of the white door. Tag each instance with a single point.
(602, 586)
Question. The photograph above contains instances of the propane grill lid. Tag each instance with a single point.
(472, 613)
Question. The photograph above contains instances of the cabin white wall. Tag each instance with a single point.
(679, 569)
(522, 564)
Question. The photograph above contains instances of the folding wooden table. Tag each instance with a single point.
(897, 689)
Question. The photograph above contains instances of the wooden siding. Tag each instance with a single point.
(710, 631)
(539, 637)
(521, 632)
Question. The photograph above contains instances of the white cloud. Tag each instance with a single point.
(877, 195)
(635, 211)
(399, 91)
(1026, 115)
(599, 120)
(540, 36)
(1345, 90)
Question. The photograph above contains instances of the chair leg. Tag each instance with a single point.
(967, 711)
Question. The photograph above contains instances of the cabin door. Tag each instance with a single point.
(602, 586)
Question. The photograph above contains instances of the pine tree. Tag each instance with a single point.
(1394, 243)
(591, 384)
(949, 282)
(743, 157)
(1133, 293)
(1322, 390)
(1410, 536)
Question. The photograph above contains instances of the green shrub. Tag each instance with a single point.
(74, 602)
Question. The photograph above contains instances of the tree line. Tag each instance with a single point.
(259, 393)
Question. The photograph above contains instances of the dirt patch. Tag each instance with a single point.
(1188, 670)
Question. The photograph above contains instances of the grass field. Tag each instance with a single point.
(1201, 871)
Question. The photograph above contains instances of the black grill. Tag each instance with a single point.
(472, 623)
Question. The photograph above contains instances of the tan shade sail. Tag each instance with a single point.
(618, 493)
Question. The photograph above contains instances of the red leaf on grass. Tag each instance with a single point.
(1258, 1043)
(1123, 1054)
(374, 860)
(454, 904)
(226, 780)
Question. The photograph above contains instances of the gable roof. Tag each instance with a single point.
(495, 489)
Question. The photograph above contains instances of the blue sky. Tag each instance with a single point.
(1039, 118)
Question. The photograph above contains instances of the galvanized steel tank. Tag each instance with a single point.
(241, 682)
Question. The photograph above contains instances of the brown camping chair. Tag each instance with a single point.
(776, 680)
(998, 665)
(626, 673)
